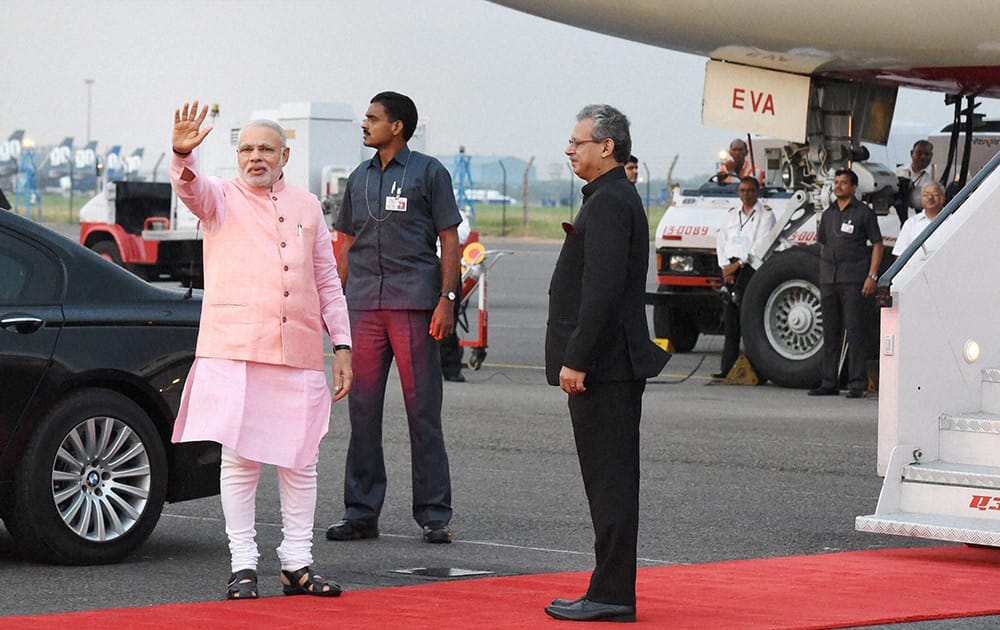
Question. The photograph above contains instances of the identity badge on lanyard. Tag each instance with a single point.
(847, 227)
(394, 202)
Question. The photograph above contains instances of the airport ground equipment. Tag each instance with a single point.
(476, 263)
(143, 227)
(939, 393)
(782, 321)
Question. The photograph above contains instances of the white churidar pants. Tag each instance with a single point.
(238, 490)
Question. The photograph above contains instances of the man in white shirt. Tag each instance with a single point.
(919, 174)
(745, 226)
(932, 198)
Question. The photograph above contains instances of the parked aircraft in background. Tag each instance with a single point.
(825, 77)
(55, 165)
(113, 166)
(65, 166)
(117, 167)
(10, 154)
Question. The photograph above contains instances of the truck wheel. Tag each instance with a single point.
(108, 250)
(677, 326)
(91, 483)
(781, 321)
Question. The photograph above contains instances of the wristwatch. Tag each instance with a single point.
(874, 277)
(450, 295)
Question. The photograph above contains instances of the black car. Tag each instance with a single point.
(92, 365)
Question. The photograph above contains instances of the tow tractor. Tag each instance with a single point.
(781, 318)
(143, 227)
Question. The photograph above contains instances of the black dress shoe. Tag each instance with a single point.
(585, 610)
(720, 375)
(455, 378)
(824, 391)
(856, 393)
(566, 602)
(436, 532)
(351, 530)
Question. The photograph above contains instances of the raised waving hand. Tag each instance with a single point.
(188, 133)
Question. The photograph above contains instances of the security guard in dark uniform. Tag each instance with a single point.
(847, 275)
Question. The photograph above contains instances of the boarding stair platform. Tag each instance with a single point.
(955, 497)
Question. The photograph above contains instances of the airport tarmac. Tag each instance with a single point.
(728, 472)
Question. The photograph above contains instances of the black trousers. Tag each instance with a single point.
(843, 308)
(606, 429)
(731, 315)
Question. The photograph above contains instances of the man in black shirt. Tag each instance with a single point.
(847, 275)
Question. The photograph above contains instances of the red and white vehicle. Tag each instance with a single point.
(781, 322)
(781, 319)
(144, 228)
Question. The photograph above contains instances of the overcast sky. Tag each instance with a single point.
(495, 80)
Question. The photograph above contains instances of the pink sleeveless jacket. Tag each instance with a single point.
(271, 283)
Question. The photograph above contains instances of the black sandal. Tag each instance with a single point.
(242, 585)
(305, 582)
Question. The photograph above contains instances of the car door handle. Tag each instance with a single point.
(21, 324)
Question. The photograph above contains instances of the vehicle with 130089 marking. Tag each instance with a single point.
(781, 320)
(93, 362)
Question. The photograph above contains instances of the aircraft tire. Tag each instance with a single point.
(781, 321)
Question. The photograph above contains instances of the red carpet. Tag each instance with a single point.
(821, 591)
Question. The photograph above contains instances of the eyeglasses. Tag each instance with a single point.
(576, 143)
(263, 149)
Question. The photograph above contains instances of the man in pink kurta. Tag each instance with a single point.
(257, 385)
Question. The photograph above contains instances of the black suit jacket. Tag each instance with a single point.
(597, 312)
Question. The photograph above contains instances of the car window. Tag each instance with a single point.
(28, 274)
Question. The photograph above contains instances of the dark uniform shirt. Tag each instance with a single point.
(844, 235)
(393, 262)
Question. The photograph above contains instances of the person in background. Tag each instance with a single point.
(847, 275)
(932, 199)
(737, 166)
(632, 169)
(257, 384)
(451, 351)
(745, 227)
(913, 178)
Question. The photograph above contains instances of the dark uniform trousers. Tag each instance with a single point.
(731, 313)
(378, 337)
(606, 429)
(843, 307)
